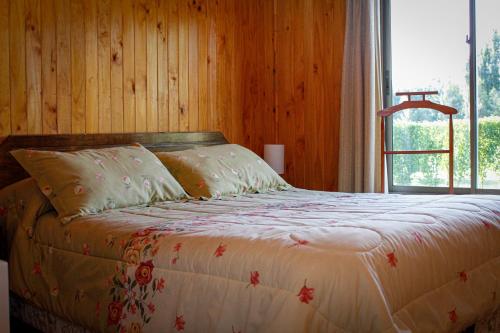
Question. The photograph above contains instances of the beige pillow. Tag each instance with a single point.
(214, 171)
(90, 181)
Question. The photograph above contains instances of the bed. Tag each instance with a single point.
(284, 261)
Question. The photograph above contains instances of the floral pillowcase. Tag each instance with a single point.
(90, 181)
(215, 171)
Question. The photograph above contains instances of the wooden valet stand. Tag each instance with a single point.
(418, 104)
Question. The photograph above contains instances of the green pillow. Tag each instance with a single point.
(211, 172)
(90, 181)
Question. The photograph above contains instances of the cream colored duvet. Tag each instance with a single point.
(292, 261)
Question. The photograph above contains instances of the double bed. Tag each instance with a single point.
(282, 261)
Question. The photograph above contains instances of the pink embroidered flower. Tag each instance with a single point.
(144, 273)
(391, 259)
(114, 313)
(453, 315)
(179, 323)
(37, 269)
(463, 276)
(47, 190)
(306, 294)
(79, 189)
(99, 176)
(126, 180)
(133, 309)
(151, 307)
(143, 233)
(220, 250)
(160, 285)
(147, 183)
(98, 162)
(300, 242)
(254, 278)
(177, 247)
(86, 249)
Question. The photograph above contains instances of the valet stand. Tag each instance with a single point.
(418, 104)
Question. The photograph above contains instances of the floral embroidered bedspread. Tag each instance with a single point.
(291, 261)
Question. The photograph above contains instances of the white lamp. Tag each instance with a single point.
(274, 155)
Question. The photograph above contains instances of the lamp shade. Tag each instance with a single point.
(274, 155)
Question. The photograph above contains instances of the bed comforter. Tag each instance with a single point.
(291, 261)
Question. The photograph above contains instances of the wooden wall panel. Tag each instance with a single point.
(78, 78)
(261, 71)
(63, 37)
(49, 68)
(309, 50)
(91, 68)
(33, 66)
(116, 67)
(17, 52)
(4, 69)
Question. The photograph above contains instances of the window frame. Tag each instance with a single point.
(387, 100)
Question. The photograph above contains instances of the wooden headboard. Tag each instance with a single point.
(11, 171)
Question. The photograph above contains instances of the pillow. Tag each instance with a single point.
(21, 204)
(90, 181)
(214, 171)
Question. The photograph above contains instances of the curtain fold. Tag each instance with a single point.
(359, 153)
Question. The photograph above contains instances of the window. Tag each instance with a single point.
(435, 45)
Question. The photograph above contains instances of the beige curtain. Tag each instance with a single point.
(359, 158)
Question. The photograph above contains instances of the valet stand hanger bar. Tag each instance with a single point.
(418, 104)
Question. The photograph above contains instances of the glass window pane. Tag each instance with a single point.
(488, 91)
(429, 53)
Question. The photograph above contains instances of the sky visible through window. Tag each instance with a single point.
(436, 30)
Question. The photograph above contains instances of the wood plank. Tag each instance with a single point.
(224, 91)
(267, 122)
(235, 45)
(193, 71)
(203, 40)
(152, 65)
(17, 38)
(338, 56)
(77, 67)
(284, 84)
(4, 70)
(173, 65)
(33, 66)
(104, 64)
(162, 38)
(298, 77)
(212, 65)
(63, 35)
(140, 66)
(311, 170)
(128, 8)
(183, 66)
(91, 68)
(246, 60)
(116, 67)
(49, 67)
